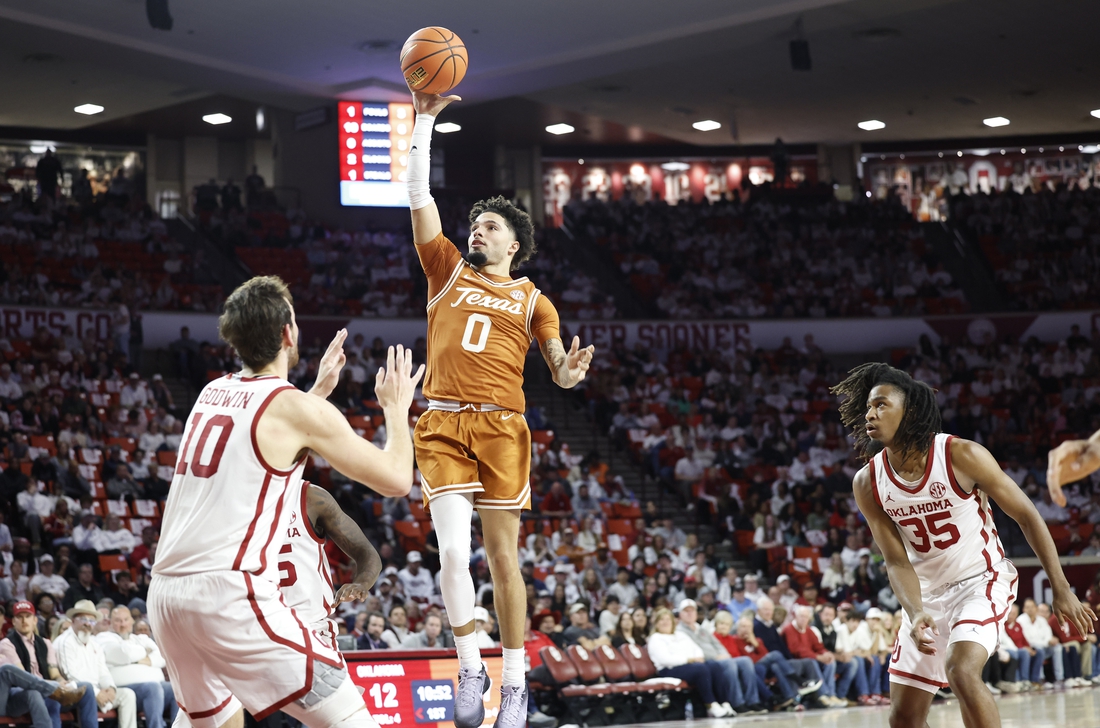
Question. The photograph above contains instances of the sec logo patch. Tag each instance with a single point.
(518, 295)
(937, 490)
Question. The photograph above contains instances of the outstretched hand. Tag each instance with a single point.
(395, 384)
(328, 371)
(432, 104)
(578, 360)
(1069, 462)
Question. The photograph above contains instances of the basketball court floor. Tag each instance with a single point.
(1079, 708)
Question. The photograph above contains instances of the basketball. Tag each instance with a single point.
(433, 60)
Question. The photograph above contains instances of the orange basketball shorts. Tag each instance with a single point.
(484, 453)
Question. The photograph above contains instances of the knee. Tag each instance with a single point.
(503, 566)
(964, 679)
(899, 719)
(454, 557)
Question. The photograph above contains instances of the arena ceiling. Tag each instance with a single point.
(929, 69)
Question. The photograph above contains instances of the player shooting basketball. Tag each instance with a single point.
(473, 447)
(925, 495)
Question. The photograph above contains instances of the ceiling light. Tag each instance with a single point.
(871, 125)
(88, 109)
(980, 152)
(261, 119)
(40, 147)
(1090, 149)
(216, 119)
(707, 125)
(447, 127)
(995, 121)
(560, 129)
(1096, 113)
(676, 166)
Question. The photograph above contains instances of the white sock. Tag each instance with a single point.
(468, 653)
(513, 672)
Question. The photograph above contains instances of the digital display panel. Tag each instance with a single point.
(374, 153)
(417, 688)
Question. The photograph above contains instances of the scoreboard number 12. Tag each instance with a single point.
(384, 694)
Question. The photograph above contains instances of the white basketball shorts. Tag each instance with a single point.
(230, 640)
(972, 610)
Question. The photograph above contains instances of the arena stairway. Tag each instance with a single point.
(574, 426)
(596, 261)
(966, 263)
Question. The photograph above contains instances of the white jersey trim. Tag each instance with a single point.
(450, 283)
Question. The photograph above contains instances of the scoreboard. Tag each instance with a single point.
(417, 687)
(374, 153)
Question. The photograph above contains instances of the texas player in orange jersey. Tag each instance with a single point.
(472, 446)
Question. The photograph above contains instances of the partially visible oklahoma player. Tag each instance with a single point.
(230, 640)
(305, 575)
(925, 495)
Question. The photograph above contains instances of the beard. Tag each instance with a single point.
(82, 636)
(874, 447)
(477, 258)
(292, 358)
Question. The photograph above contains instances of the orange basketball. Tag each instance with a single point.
(433, 60)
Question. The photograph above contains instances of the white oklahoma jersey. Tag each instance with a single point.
(217, 573)
(305, 578)
(226, 503)
(967, 584)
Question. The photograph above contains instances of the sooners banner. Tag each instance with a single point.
(834, 336)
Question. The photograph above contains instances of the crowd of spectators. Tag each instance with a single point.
(1044, 247)
(751, 441)
(376, 273)
(109, 253)
(772, 258)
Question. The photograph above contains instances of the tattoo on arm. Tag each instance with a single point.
(554, 353)
(330, 521)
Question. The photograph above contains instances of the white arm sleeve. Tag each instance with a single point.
(420, 163)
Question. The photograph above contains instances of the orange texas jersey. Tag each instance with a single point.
(479, 329)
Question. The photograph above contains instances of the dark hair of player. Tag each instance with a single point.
(519, 222)
(919, 424)
(253, 319)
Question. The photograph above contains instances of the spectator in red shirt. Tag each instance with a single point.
(803, 643)
(745, 644)
(1073, 652)
(556, 504)
(810, 596)
(535, 639)
(1024, 651)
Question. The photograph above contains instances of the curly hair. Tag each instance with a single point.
(919, 423)
(518, 221)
